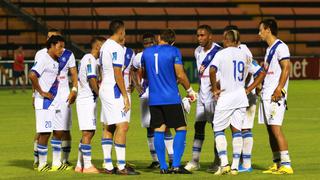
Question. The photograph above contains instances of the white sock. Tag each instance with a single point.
(80, 157)
(66, 148)
(168, 141)
(121, 155)
(56, 152)
(43, 153)
(86, 151)
(221, 143)
(196, 150)
(35, 152)
(152, 149)
(247, 149)
(285, 158)
(237, 143)
(107, 148)
(276, 157)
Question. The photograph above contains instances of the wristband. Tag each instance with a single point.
(33, 94)
(189, 90)
(74, 89)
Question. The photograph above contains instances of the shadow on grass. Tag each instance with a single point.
(22, 163)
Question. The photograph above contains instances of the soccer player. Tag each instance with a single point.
(204, 54)
(163, 67)
(86, 105)
(274, 95)
(114, 99)
(149, 40)
(44, 78)
(18, 69)
(250, 111)
(233, 66)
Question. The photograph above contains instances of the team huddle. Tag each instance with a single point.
(229, 83)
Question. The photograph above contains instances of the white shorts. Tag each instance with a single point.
(205, 111)
(271, 113)
(44, 118)
(223, 119)
(249, 118)
(111, 107)
(145, 112)
(62, 120)
(87, 114)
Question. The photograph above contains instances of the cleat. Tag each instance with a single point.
(222, 170)
(170, 164)
(68, 166)
(214, 167)
(44, 168)
(234, 172)
(242, 169)
(271, 169)
(154, 165)
(192, 166)
(91, 170)
(112, 171)
(180, 170)
(78, 169)
(35, 165)
(126, 171)
(62, 167)
(128, 164)
(284, 170)
(165, 171)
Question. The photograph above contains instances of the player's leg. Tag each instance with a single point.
(15, 77)
(43, 151)
(35, 151)
(107, 142)
(168, 141)
(23, 84)
(88, 167)
(150, 138)
(66, 136)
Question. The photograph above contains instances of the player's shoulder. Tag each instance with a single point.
(283, 45)
(197, 50)
(216, 45)
(41, 52)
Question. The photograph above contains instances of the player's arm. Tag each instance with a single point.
(136, 78)
(93, 82)
(33, 76)
(74, 90)
(184, 81)
(285, 70)
(213, 80)
(258, 80)
(120, 82)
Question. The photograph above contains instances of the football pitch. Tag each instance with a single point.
(301, 127)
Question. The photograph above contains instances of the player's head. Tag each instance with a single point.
(148, 39)
(167, 36)
(204, 35)
(97, 42)
(231, 38)
(229, 28)
(116, 27)
(267, 28)
(55, 45)
(54, 32)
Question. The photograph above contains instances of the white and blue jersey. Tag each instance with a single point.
(159, 61)
(47, 70)
(128, 58)
(144, 82)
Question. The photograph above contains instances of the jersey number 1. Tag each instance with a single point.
(156, 61)
(238, 68)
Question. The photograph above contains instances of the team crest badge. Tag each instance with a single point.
(114, 56)
(128, 56)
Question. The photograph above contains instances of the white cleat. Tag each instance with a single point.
(223, 170)
(192, 166)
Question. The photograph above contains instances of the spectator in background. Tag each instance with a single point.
(18, 69)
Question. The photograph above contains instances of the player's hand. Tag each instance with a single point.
(216, 94)
(47, 95)
(72, 97)
(247, 91)
(33, 102)
(126, 104)
(201, 69)
(130, 88)
(192, 95)
(139, 89)
(276, 96)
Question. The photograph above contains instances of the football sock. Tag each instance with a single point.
(168, 141)
(56, 152)
(43, 152)
(276, 157)
(121, 155)
(160, 149)
(247, 148)
(197, 146)
(221, 145)
(150, 134)
(35, 152)
(80, 157)
(237, 143)
(66, 149)
(285, 159)
(107, 147)
(179, 144)
(86, 151)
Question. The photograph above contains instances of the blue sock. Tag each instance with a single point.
(179, 144)
(160, 149)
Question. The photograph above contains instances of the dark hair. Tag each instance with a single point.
(271, 24)
(168, 35)
(231, 27)
(53, 40)
(115, 25)
(54, 30)
(206, 27)
(98, 38)
(232, 36)
(148, 35)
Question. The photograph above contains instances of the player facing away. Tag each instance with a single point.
(61, 139)
(204, 54)
(86, 103)
(114, 99)
(148, 40)
(245, 159)
(274, 95)
(230, 110)
(163, 67)
(44, 78)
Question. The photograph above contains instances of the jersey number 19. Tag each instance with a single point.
(238, 70)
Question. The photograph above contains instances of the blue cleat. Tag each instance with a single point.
(242, 169)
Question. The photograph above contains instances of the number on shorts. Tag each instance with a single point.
(47, 124)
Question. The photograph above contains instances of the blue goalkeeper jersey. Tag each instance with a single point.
(159, 61)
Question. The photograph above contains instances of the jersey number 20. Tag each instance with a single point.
(238, 69)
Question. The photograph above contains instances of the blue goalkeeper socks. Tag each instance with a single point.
(179, 144)
(160, 149)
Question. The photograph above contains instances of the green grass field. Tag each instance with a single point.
(301, 127)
